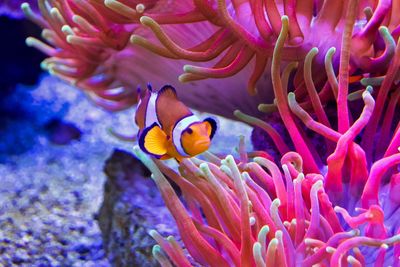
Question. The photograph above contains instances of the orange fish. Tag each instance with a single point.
(167, 127)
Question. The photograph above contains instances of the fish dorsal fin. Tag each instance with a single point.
(169, 108)
(153, 141)
(167, 90)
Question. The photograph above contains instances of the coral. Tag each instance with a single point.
(330, 208)
(109, 47)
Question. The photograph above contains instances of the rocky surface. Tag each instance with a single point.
(132, 207)
(50, 194)
(48, 203)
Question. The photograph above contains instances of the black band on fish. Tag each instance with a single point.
(213, 124)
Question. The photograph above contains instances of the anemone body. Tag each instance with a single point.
(100, 46)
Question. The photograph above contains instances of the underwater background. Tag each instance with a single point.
(55, 149)
(311, 178)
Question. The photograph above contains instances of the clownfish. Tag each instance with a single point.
(167, 127)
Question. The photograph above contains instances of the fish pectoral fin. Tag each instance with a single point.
(153, 141)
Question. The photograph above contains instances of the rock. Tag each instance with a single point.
(61, 132)
(132, 207)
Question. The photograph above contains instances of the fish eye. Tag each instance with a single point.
(189, 131)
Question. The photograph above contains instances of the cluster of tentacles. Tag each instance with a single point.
(249, 29)
(98, 45)
(251, 214)
(336, 209)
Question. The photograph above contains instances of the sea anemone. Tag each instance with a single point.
(330, 210)
(249, 29)
(88, 45)
(240, 214)
(108, 48)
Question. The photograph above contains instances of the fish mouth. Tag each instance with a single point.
(202, 144)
